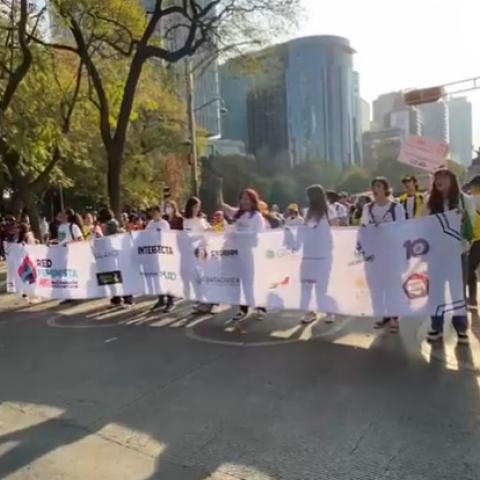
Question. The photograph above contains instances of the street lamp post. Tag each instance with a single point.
(192, 122)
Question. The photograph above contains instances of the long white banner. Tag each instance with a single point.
(409, 268)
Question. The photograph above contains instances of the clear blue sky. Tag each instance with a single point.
(403, 44)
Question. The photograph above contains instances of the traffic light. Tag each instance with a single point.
(423, 95)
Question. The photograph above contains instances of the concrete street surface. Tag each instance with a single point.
(87, 393)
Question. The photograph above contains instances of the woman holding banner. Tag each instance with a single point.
(195, 222)
(382, 210)
(445, 195)
(315, 275)
(246, 218)
(111, 226)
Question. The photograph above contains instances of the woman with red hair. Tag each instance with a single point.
(246, 218)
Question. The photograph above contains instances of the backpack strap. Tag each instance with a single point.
(392, 211)
(370, 212)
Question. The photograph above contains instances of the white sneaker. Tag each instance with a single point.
(202, 308)
(260, 314)
(238, 317)
(310, 317)
(215, 309)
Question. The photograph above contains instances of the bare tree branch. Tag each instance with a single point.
(21, 71)
(57, 46)
(44, 175)
(96, 79)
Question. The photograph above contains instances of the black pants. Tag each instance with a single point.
(167, 300)
(244, 309)
(473, 263)
(127, 300)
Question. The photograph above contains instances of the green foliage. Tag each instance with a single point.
(281, 188)
(355, 179)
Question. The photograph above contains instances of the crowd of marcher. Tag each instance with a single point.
(252, 214)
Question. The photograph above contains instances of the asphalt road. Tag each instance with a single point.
(86, 393)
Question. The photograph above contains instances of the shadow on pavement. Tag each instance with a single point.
(309, 410)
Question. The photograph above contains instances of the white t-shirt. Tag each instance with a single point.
(158, 225)
(294, 221)
(44, 227)
(313, 223)
(195, 224)
(249, 222)
(471, 203)
(376, 214)
(338, 211)
(65, 231)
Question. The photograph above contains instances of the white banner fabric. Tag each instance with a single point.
(399, 269)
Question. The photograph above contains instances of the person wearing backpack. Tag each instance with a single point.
(383, 210)
(69, 231)
(445, 195)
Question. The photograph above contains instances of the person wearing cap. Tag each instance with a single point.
(293, 217)
(474, 254)
(412, 200)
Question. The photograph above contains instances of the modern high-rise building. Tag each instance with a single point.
(366, 113)
(301, 104)
(391, 111)
(460, 125)
(383, 106)
(436, 121)
(357, 118)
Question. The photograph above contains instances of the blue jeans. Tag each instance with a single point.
(460, 323)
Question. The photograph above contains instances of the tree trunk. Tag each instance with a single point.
(18, 204)
(23, 197)
(114, 176)
(34, 215)
(116, 147)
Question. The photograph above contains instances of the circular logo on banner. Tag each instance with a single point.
(416, 248)
(416, 286)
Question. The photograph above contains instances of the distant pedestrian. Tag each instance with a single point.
(338, 212)
(412, 200)
(293, 217)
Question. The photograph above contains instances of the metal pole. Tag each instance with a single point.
(192, 124)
